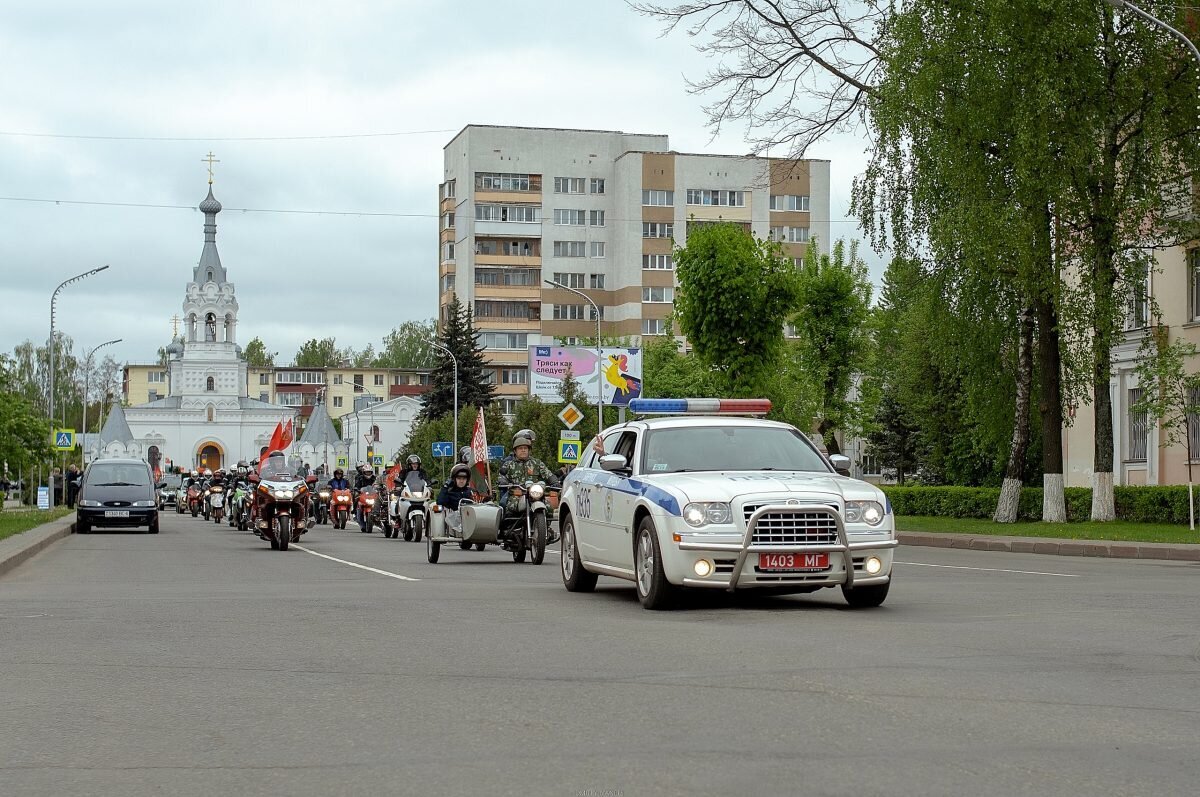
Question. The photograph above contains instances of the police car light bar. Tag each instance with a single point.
(700, 406)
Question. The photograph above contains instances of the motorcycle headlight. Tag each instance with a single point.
(869, 512)
(143, 503)
(284, 494)
(89, 502)
(704, 513)
(370, 502)
(324, 495)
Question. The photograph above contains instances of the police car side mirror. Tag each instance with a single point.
(840, 463)
(614, 463)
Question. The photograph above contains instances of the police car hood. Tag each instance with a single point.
(731, 486)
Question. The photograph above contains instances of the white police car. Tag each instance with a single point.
(710, 500)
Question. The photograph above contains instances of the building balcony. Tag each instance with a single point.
(509, 229)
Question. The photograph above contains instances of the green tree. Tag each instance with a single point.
(734, 294)
(475, 388)
(24, 434)
(408, 345)
(315, 353)
(894, 441)
(831, 326)
(1170, 394)
(256, 355)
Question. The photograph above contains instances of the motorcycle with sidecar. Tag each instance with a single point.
(524, 533)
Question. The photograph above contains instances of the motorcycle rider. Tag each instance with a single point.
(521, 467)
(339, 480)
(413, 466)
(457, 489)
(366, 478)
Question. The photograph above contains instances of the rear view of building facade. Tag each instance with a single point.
(600, 212)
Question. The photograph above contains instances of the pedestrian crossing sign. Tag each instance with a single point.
(568, 451)
(64, 439)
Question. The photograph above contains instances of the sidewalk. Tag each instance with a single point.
(1056, 547)
(16, 549)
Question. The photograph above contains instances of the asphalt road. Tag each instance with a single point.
(200, 662)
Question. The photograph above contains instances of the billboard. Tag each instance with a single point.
(619, 372)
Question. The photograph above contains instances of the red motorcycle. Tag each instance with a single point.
(367, 497)
(339, 507)
(282, 507)
(193, 499)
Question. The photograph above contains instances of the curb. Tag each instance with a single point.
(1053, 547)
(16, 549)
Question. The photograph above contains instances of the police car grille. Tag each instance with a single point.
(792, 528)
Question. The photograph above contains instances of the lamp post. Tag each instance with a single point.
(599, 354)
(87, 374)
(371, 412)
(53, 305)
(455, 361)
(1153, 20)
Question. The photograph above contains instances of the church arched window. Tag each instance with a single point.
(210, 328)
(210, 275)
(375, 433)
(211, 412)
(228, 327)
(210, 385)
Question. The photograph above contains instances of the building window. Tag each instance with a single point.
(658, 198)
(658, 295)
(526, 248)
(508, 276)
(211, 414)
(358, 382)
(210, 384)
(572, 218)
(448, 221)
(502, 181)
(503, 340)
(596, 185)
(597, 248)
(1193, 273)
(870, 462)
(447, 283)
(1139, 300)
(337, 401)
(508, 406)
(514, 376)
(524, 214)
(337, 379)
(596, 281)
(448, 189)
(300, 378)
(153, 396)
(379, 380)
(568, 185)
(568, 312)
(789, 202)
(1193, 422)
(792, 235)
(653, 326)
(655, 229)
(704, 196)
(156, 376)
(264, 379)
(596, 218)
(1139, 428)
(447, 252)
(570, 248)
(659, 262)
(592, 313)
(264, 397)
(569, 278)
(492, 309)
(489, 376)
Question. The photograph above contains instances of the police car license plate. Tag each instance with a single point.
(117, 513)
(794, 562)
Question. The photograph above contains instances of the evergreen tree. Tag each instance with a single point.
(474, 387)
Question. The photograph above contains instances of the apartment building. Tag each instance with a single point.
(1140, 451)
(599, 212)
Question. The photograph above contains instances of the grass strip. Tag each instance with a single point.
(15, 521)
(1117, 531)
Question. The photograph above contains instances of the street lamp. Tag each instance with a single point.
(87, 374)
(53, 303)
(599, 354)
(455, 361)
(1153, 20)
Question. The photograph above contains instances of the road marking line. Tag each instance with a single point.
(992, 570)
(356, 564)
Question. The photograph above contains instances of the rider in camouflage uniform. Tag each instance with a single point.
(520, 468)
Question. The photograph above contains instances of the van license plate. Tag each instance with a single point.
(794, 562)
(117, 513)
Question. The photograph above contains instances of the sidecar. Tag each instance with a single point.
(477, 525)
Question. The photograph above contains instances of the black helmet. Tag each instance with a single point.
(413, 459)
(460, 469)
(338, 473)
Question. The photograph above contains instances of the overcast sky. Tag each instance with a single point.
(229, 69)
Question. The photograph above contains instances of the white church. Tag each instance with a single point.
(207, 419)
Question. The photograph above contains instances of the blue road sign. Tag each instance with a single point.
(568, 451)
(444, 449)
(495, 452)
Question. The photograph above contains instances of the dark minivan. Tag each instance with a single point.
(117, 493)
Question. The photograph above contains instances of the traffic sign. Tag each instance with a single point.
(343, 462)
(564, 434)
(568, 451)
(444, 449)
(495, 452)
(571, 416)
(377, 460)
(64, 439)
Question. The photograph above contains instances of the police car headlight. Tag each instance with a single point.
(702, 514)
(869, 512)
(536, 491)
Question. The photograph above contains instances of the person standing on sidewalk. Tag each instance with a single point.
(73, 478)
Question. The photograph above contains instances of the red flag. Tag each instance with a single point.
(285, 439)
(479, 456)
(273, 445)
(390, 478)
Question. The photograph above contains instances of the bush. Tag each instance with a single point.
(1148, 504)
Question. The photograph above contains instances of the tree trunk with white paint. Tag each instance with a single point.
(1103, 506)
(1010, 493)
(1054, 501)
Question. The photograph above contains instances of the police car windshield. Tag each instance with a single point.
(720, 448)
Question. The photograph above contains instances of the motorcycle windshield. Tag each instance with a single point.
(414, 482)
(276, 469)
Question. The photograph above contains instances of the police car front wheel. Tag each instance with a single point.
(653, 589)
